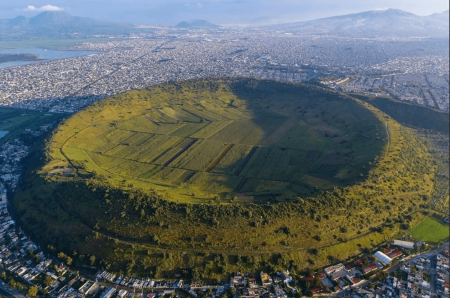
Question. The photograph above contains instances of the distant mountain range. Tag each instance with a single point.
(376, 23)
(197, 24)
(58, 24)
(381, 23)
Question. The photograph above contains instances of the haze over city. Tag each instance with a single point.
(170, 12)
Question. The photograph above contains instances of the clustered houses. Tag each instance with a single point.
(137, 282)
(19, 256)
(11, 153)
(422, 276)
(442, 272)
(15, 250)
(412, 279)
(420, 80)
(356, 275)
(169, 55)
(339, 277)
(263, 285)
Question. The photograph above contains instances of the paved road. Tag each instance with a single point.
(8, 292)
(433, 275)
(5, 293)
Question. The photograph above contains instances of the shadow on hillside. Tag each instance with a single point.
(309, 140)
(411, 115)
(280, 168)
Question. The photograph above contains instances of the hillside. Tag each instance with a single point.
(409, 114)
(197, 24)
(375, 23)
(199, 150)
(57, 24)
(52, 18)
(139, 229)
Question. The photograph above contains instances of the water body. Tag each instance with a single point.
(33, 55)
(3, 133)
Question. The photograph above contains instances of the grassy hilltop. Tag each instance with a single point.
(267, 142)
(251, 141)
(224, 175)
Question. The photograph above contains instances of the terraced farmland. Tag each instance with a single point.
(244, 140)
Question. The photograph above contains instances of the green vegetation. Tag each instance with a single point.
(410, 114)
(16, 121)
(219, 140)
(13, 280)
(430, 230)
(32, 291)
(121, 216)
(438, 144)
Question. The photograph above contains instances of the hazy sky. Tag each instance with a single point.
(218, 11)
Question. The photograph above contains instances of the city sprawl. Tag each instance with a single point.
(410, 70)
(413, 70)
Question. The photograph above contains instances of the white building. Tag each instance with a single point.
(332, 269)
(384, 259)
(122, 293)
(405, 244)
(108, 293)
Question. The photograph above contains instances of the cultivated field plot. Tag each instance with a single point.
(242, 138)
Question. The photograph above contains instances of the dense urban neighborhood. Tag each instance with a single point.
(411, 70)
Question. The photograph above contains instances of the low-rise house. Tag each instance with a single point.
(336, 268)
(395, 254)
(355, 281)
(108, 293)
(338, 274)
(238, 280)
(350, 267)
(122, 293)
(265, 279)
(335, 272)
(321, 275)
(308, 279)
(317, 290)
(280, 293)
(369, 268)
(404, 244)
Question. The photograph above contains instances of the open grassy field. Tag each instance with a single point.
(430, 230)
(221, 176)
(230, 141)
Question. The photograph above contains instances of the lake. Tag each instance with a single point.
(34, 55)
(3, 133)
